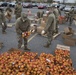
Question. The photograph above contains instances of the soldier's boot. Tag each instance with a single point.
(47, 45)
(25, 48)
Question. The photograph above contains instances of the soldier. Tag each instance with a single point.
(42, 12)
(3, 21)
(59, 10)
(38, 15)
(9, 13)
(71, 15)
(56, 12)
(18, 10)
(22, 26)
(50, 28)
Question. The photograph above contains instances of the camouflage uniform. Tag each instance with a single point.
(42, 14)
(56, 12)
(38, 14)
(8, 9)
(18, 10)
(22, 25)
(50, 28)
(71, 13)
(9, 13)
(3, 21)
(59, 10)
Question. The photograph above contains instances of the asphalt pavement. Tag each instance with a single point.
(36, 41)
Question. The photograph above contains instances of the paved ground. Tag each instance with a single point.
(36, 43)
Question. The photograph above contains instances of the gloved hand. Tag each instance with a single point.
(43, 32)
(23, 34)
(2, 24)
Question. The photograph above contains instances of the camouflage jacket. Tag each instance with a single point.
(56, 12)
(51, 23)
(18, 9)
(2, 18)
(22, 26)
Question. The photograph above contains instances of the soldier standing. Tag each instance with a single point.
(18, 10)
(56, 12)
(38, 15)
(50, 28)
(3, 21)
(9, 13)
(22, 26)
(71, 15)
(59, 10)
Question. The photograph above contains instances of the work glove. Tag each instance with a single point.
(2, 24)
(43, 32)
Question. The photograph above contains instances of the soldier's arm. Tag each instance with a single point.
(15, 10)
(28, 26)
(48, 24)
(17, 27)
(3, 17)
(59, 12)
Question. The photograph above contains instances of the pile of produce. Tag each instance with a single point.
(29, 63)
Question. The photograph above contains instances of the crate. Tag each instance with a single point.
(69, 40)
(63, 47)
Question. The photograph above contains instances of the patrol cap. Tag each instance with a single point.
(23, 16)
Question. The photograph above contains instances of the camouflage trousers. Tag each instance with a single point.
(4, 27)
(70, 20)
(17, 16)
(57, 22)
(21, 40)
(49, 37)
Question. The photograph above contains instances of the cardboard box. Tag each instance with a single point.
(64, 36)
(69, 42)
(68, 30)
(43, 23)
(39, 29)
(45, 17)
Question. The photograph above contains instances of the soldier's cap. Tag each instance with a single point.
(23, 16)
